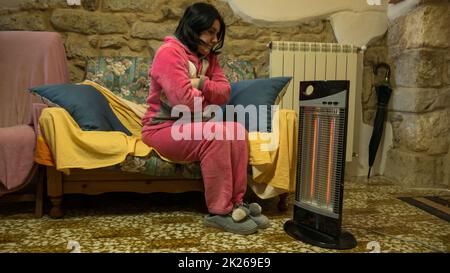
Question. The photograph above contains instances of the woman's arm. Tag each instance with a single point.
(170, 71)
(215, 86)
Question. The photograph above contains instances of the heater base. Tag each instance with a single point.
(314, 237)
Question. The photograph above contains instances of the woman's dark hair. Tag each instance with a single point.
(197, 18)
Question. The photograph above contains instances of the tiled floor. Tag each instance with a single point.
(173, 223)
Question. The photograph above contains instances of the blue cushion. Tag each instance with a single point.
(258, 92)
(87, 106)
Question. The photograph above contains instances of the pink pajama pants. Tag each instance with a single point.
(223, 161)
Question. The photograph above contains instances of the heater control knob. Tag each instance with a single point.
(309, 90)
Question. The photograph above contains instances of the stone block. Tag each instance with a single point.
(368, 116)
(244, 32)
(428, 26)
(420, 68)
(125, 51)
(93, 40)
(23, 21)
(419, 100)
(447, 72)
(78, 46)
(153, 30)
(395, 32)
(42, 4)
(112, 41)
(314, 27)
(91, 5)
(76, 74)
(445, 169)
(137, 45)
(375, 54)
(411, 169)
(154, 17)
(225, 10)
(86, 22)
(245, 46)
(368, 95)
(425, 26)
(131, 5)
(130, 18)
(426, 133)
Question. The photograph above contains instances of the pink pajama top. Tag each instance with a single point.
(170, 83)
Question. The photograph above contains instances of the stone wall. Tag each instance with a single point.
(419, 50)
(417, 47)
(377, 52)
(137, 28)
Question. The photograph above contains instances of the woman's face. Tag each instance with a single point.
(209, 37)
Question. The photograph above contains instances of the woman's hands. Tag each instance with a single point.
(195, 82)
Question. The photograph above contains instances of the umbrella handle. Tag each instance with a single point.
(387, 76)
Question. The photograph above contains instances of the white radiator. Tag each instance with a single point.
(317, 61)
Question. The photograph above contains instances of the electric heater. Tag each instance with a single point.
(323, 115)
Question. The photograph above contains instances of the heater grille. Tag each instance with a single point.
(321, 152)
(322, 141)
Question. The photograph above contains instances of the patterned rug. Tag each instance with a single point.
(168, 223)
(438, 206)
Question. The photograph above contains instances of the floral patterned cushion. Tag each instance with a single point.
(237, 70)
(125, 76)
(153, 165)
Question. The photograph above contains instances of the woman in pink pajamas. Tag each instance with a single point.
(185, 71)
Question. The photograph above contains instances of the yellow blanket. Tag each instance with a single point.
(72, 147)
(272, 155)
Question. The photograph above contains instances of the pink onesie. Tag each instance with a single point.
(223, 160)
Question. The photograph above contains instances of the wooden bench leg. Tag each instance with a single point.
(56, 210)
(39, 202)
(283, 202)
(55, 192)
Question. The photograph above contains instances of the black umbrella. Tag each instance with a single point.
(383, 90)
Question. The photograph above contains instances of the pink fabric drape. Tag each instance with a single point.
(17, 144)
(27, 59)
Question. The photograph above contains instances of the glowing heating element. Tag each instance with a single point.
(313, 168)
(322, 135)
(330, 160)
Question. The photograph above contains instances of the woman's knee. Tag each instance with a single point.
(236, 131)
